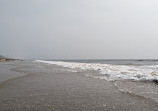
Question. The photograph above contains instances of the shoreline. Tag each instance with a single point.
(50, 87)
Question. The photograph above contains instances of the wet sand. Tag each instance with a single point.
(53, 88)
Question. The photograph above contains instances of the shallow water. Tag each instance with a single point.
(135, 79)
(53, 87)
(6, 71)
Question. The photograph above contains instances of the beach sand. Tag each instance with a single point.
(43, 87)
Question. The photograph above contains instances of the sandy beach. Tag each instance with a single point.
(43, 87)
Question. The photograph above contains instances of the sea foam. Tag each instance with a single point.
(128, 72)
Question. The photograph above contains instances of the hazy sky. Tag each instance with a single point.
(79, 29)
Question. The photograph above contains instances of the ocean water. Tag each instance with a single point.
(136, 78)
(111, 70)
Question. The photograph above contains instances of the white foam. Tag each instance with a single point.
(114, 71)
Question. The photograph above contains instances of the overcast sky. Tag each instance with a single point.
(79, 29)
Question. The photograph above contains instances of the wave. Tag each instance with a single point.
(114, 72)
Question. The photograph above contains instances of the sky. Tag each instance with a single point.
(79, 29)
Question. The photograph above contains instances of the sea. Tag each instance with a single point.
(111, 70)
(137, 78)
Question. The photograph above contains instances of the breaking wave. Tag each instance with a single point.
(114, 72)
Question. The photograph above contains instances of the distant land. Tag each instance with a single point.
(6, 59)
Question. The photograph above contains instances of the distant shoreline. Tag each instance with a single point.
(9, 59)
